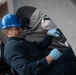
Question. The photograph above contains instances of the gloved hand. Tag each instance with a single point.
(55, 53)
(53, 32)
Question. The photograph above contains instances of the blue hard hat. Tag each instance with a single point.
(10, 20)
(0, 24)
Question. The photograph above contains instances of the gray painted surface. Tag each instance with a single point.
(62, 13)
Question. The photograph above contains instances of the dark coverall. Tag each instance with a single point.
(26, 58)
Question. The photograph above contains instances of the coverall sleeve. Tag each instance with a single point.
(43, 45)
(18, 61)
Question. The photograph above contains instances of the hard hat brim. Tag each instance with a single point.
(13, 25)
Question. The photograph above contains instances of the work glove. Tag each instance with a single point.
(55, 53)
(53, 32)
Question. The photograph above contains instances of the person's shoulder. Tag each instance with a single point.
(15, 40)
(12, 43)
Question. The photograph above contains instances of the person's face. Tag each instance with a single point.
(15, 32)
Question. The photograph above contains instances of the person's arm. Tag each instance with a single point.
(17, 59)
(43, 45)
(49, 59)
(47, 41)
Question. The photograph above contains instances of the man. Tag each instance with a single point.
(26, 58)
